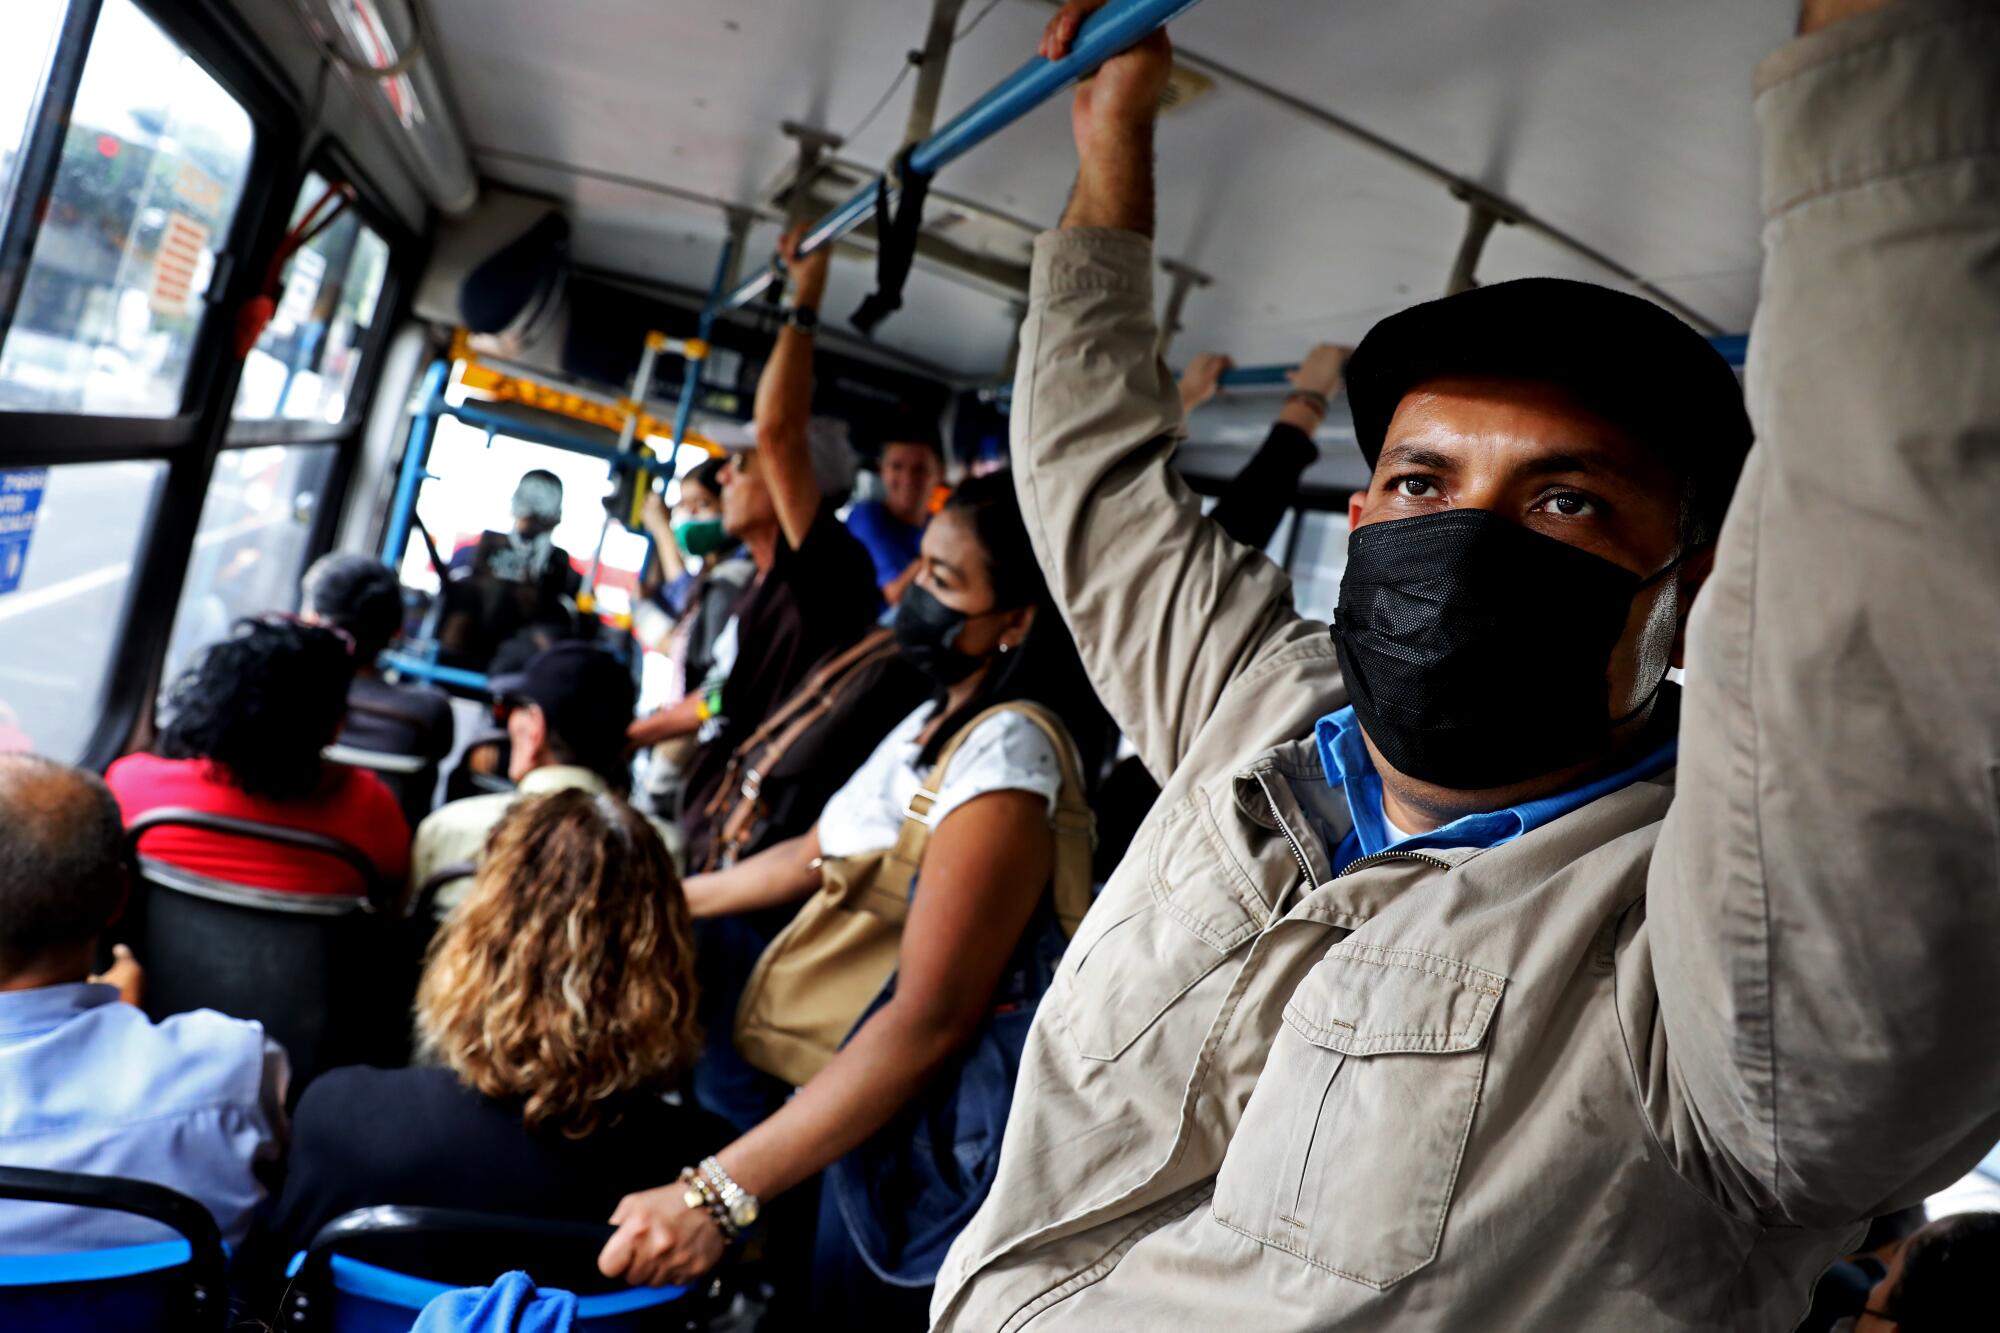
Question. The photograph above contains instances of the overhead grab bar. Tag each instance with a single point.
(1104, 34)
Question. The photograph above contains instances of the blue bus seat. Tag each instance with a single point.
(170, 1285)
(319, 971)
(373, 1270)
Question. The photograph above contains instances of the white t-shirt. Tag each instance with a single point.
(1006, 753)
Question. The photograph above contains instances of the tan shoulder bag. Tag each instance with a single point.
(814, 980)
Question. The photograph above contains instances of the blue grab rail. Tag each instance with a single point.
(418, 669)
(45, 1270)
(1104, 34)
(1733, 347)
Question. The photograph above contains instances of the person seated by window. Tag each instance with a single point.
(87, 1083)
(556, 1007)
(361, 596)
(243, 734)
(1940, 1278)
(892, 528)
(979, 621)
(566, 712)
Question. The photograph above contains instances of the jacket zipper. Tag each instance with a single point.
(1392, 855)
(1298, 852)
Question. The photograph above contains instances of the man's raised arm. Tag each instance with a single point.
(784, 400)
(1165, 609)
(1824, 911)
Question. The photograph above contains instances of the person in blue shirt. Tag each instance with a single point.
(892, 528)
(88, 1083)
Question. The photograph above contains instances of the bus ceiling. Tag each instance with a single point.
(1344, 168)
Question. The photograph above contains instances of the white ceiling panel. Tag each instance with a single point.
(1627, 126)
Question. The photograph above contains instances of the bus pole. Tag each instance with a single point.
(423, 426)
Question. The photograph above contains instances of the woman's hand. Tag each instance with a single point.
(660, 1240)
(1321, 370)
(1202, 379)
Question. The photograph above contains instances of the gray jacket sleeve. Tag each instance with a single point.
(1166, 609)
(1823, 916)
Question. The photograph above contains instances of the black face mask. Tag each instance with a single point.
(1477, 651)
(927, 631)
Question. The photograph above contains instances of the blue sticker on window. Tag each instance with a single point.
(20, 499)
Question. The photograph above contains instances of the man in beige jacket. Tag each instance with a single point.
(1470, 1005)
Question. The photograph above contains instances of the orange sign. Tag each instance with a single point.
(178, 261)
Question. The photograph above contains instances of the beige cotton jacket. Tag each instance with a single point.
(455, 833)
(1649, 1065)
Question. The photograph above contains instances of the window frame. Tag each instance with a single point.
(332, 162)
(191, 440)
(407, 254)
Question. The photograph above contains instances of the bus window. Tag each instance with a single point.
(1317, 562)
(148, 183)
(59, 624)
(250, 551)
(304, 365)
(24, 62)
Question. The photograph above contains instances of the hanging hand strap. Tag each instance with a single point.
(895, 242)
(258, 310)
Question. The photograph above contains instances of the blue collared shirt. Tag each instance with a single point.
(1349, 767)
(193, 1102)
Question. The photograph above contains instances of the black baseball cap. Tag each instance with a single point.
(585, 692)
(1628, 360)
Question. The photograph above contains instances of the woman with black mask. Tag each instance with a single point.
(979, 622)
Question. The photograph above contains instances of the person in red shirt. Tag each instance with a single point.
(243, 735)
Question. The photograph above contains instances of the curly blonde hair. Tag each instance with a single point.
(566, 976)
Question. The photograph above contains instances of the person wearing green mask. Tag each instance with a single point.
(702, 572)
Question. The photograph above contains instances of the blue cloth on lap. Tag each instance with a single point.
(510, 1305)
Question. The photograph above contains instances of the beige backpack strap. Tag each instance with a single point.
(915, 834)
(1075, 824)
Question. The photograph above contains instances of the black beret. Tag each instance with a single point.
(1626, 359)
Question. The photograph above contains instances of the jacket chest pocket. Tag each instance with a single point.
(1348, 1151)
(1165, 924)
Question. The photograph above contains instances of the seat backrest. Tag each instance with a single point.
(446, 874)
(372, 1270)
(410, 778)
(169, 1285)
(325, 974)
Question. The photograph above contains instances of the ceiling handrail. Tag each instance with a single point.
(1112, 29)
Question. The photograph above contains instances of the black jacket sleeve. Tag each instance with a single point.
(1255, 500)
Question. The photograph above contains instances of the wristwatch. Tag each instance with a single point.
(802, 317)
